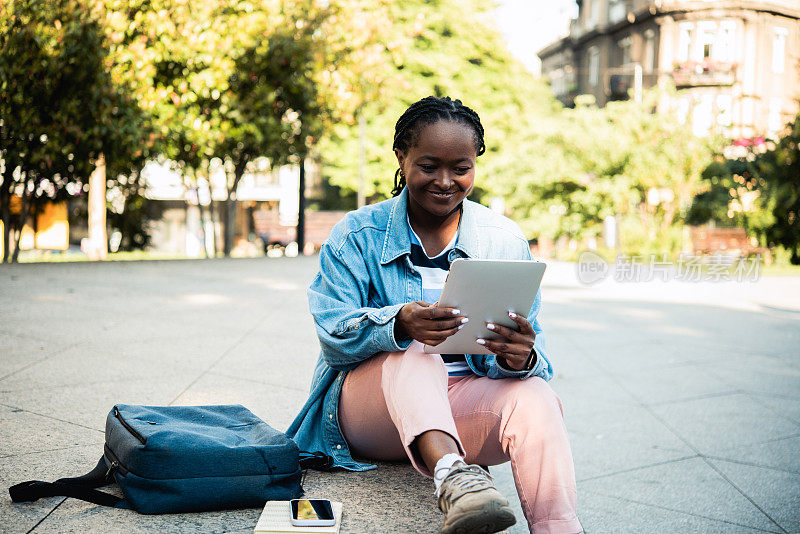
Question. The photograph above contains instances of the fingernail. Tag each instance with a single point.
(460, 327)
(456, 312)
(481, 341)
(464, 320)
(490, 326)
(512, 315)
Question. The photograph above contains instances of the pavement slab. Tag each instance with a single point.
(602, 514)
(673, 383)
(776, 493)
(597, 440)
(277, 405)
(47, 465)
(26, 432)
(588, 395)
(682, 400)
(779, 454)
(727, 421)
(687, 486)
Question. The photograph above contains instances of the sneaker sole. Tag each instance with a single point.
(491, 517)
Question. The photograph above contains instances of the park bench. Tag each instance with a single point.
(733, 242)
(273, 232)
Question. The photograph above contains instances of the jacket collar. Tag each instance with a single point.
(397, 241)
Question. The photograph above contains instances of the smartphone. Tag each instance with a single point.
(312, 513)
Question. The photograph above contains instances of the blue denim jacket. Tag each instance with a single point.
(365, 277)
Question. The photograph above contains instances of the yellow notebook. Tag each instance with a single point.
(276, 518)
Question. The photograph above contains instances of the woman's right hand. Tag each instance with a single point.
(428, 323)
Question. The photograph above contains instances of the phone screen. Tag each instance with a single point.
(311, 509)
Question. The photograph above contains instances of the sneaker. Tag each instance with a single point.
(471, 503)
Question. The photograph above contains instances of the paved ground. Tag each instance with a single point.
(682, 399)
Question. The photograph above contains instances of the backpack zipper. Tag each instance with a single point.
(127, 426)
(115, 465)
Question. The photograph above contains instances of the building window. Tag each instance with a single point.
(684, 41)
(725, 42)
(774, 122)
(649, 51)
(724, 110)
(747, 111)
(557, 82)
(684, 104)
(706, 35)
(594, 13)
(594, 66)
(779, 50)
(625, 47)
(703, 115)
(616, 11)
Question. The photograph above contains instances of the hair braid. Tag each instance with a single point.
(428, 111)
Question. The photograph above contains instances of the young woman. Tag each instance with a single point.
(376, 394)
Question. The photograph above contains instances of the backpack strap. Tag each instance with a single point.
(315, 460)
(77, 487)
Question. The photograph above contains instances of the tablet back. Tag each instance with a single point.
(485, 291)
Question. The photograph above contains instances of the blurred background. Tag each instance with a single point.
(169, 128)
(655, 138)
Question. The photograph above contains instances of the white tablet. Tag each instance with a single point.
(485, 291)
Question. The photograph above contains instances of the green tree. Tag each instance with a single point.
(780, 169)
(59, 107)
(446, 47)
(620, 160)
(238, 80)
(758, 189)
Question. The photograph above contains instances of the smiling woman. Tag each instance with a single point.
(437, 165)
(377, 395)
(439, 172)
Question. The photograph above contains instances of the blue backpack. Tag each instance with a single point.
(173, 459)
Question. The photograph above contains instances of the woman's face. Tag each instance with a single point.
(440, 168)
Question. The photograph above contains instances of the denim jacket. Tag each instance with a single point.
(365, 277)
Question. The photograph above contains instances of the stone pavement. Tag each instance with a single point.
(682, 399)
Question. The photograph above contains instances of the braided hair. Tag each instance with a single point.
(428, 111)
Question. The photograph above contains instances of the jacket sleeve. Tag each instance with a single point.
(542, 368)
(349, 330)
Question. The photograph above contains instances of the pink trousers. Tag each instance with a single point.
(393, 397)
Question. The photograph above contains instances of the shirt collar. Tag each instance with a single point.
(397, 241)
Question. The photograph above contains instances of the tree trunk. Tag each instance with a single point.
(230, 207)
(211, 213)
(202, 219)
(228, 211)
(5, 208)
(98, 240)
(301, 209)
(23, 216)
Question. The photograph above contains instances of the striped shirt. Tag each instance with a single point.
(434, 272)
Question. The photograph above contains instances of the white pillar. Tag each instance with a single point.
(98, 242)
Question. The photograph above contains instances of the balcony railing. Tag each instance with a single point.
(707, 72)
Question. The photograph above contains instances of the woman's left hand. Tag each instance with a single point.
(514, 347)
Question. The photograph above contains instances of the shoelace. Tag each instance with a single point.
(467, 478)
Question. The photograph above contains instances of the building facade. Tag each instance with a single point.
(185, 219)
(735, 63)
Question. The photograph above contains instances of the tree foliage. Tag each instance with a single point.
(559, 171)
(621, 159)
(428, 50)
(239, 80)
(194, 81)
(59, 107)
(758, 189)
